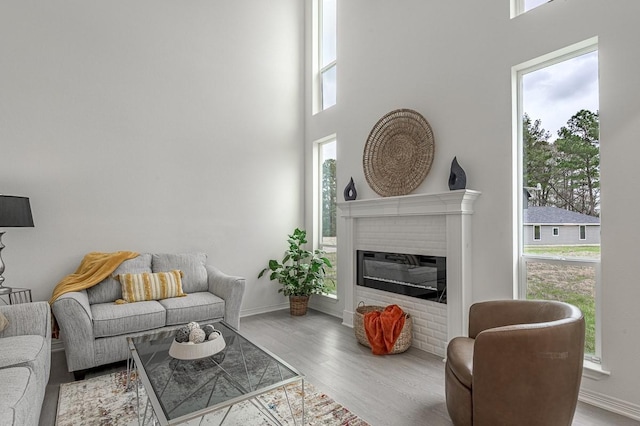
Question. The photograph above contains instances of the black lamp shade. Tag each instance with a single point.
(15, 212)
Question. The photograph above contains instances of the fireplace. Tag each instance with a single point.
(413, 275)
(437, 224)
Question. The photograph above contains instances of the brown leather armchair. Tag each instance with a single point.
(521, 364)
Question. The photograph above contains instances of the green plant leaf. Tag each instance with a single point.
(301, 271)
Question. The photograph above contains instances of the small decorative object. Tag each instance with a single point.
(398, 153)
(196, 335)
(214, 335)
(457, 177)
(197, 345)
(182, 335)
(208, 329)
(301, 272)
(350, 192)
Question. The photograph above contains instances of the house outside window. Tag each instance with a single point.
(560, 191)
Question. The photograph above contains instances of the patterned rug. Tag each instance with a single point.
(105, 401)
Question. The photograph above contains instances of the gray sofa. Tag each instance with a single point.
(25, 362)
(94, 328)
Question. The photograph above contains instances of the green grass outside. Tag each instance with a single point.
(566, 283)
(588, 251)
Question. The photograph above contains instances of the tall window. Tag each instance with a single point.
(559, 171)
(327, 193)
(327, 52)
(521, 6)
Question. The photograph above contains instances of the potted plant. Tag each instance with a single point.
(301, 272)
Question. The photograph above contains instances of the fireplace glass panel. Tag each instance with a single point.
(413, 275)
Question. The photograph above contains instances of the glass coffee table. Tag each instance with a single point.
(182, 390)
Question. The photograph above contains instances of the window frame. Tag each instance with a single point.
(317, 199)
(555, 231)
(319, 69)
(582, 232)
(520, 258)
(518, 7)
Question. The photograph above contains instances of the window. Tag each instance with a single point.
(326, 50)
(558, 166)
(530, 4)
(327, 199)
(521, 6)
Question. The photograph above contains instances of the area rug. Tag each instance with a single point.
(104, 400)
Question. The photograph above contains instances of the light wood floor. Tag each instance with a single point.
(394, 390)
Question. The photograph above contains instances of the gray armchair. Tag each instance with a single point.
(521, 364)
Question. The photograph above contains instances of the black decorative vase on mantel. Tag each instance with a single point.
(350, 192)
(457, 177)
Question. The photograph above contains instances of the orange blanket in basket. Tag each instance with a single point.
(384, 328)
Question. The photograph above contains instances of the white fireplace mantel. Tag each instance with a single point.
(457, 208)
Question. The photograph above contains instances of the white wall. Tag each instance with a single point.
(452, 61)
(154, 126)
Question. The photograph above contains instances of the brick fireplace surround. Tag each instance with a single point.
(437, 224)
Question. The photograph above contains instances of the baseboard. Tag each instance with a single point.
(608, 403)
(323, 309)
(347, 318)
(263, 310)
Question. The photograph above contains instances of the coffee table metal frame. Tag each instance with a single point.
(134, 362)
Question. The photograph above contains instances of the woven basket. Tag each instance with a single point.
(398, 153)
(298, 305)
(404, 340)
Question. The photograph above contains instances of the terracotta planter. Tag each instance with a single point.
(298, 305)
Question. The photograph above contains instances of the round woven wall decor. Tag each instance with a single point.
(398, 153)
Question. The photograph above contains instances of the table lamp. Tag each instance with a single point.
(15, 212)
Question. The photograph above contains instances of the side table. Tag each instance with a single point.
(16, 295)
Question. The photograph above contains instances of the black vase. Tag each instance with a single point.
(457, 177)
(350, 192)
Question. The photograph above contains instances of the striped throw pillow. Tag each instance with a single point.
(151, 286)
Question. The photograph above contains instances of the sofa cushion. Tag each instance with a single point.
(192, 265)
(201, 306)
(151, 286)
(110, 289)
(110, 319)
(20, 399)
(29, 351)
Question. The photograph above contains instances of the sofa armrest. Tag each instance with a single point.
(73, 314)
(229, 288)
(27, 319)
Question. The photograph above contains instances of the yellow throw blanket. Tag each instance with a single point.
(94, 268)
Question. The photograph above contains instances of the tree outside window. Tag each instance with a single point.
(561, 170)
